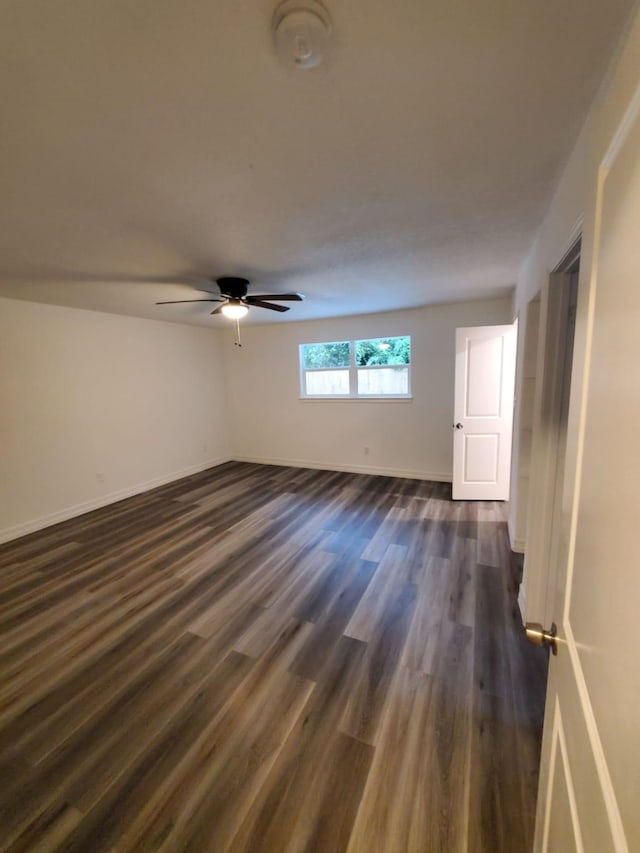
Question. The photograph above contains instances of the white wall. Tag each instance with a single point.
(573, 211)
(94, 407)
(413, 439)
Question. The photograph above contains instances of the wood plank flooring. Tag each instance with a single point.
(269, 659)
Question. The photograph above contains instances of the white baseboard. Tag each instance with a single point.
(437, 477)
(18, 530)
(31, 526)
(517, 545)
(522, 599)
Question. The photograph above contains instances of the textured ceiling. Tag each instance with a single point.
(143, 142)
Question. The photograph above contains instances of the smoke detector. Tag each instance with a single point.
(302, 33)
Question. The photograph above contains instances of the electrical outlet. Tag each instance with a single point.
(100, 477)
(366, 451)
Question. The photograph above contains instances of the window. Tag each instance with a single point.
(377, 367)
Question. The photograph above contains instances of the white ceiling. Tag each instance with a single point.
(144, 141)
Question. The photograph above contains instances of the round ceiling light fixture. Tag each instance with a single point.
(302, 33)
(234, 310)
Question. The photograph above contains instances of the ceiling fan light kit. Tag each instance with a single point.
(302, 33)
(234, 310)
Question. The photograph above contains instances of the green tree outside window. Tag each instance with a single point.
(388, 351)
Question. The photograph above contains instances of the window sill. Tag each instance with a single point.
(386, 398)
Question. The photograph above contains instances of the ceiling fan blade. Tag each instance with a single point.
(279, 297)
(178, 301)
(258, 303)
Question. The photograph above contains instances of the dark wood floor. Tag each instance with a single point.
(268, 659)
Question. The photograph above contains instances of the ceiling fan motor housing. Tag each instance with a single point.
(232, 286)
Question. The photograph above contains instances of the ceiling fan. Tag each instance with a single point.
(235, 301)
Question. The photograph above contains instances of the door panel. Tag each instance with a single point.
(602, 607)
(484, 376)
(595, 680)
(563, 828)
(568, 739)
(485, 372)
(481, 458)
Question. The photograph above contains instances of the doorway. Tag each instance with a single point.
(557, 318)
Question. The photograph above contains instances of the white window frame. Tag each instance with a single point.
(352, 369)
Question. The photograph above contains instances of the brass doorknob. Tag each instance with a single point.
(458, 426)
(536, 634)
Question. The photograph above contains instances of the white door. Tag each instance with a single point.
(590, 769)
(483, 412)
